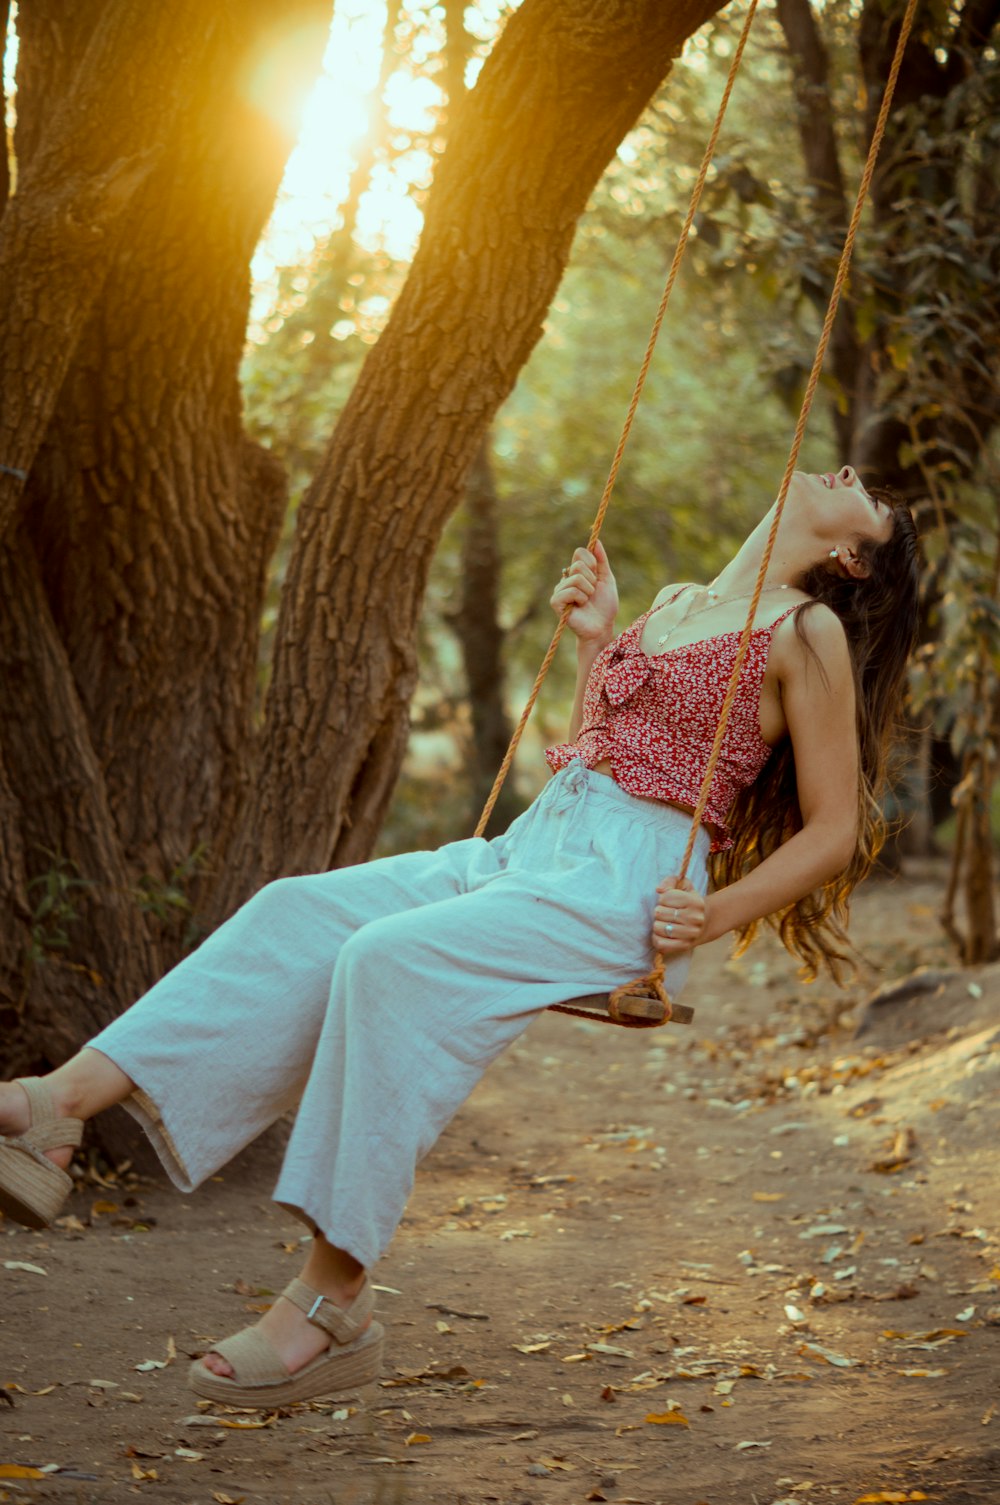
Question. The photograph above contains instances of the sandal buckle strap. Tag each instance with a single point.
(342, 1325)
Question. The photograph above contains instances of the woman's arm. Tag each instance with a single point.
(817, 695)
(589, 586)
(586, 651)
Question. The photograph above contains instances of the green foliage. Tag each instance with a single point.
(169, 899)
(53, 896)
(955, 682)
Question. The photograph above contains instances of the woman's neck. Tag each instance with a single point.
(789, 562)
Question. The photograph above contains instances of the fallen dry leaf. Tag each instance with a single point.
(890, 1497)
(828, 1356)
(236, 1423)
(769, 1196)
(417, 1437)
(898, 1154)
(70, 1224)
(20, 1471)
(224, 1499)
(19, 1264)
(668, 1419)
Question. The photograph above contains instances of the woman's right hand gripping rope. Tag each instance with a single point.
(588, 585)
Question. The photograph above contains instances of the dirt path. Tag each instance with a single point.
(747, 1263)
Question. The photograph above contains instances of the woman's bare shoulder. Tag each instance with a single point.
(807, 635)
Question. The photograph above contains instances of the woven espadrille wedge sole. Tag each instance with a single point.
(261, 1379)
(32, 1189)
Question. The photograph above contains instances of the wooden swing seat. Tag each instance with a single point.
(635, 1010)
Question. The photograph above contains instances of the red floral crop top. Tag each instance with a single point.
(654, 717)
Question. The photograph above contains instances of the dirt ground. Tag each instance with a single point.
(748, 1262)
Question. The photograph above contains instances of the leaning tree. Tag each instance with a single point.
(138, 519)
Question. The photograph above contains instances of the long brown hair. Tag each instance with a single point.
(879, 614)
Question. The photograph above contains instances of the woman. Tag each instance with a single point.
(375, 997)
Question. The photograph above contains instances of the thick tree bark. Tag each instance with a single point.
(59, 232)
(152, 515)
(64, 829)
(127, 738)
(562, 86)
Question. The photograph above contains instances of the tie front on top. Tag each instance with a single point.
(653, 716)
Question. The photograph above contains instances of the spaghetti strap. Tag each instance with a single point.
(668, 602)
(778, 620)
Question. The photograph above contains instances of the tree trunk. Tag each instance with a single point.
(818, 139)
(481, 638)
(59, 233)
(476, 623)
(981, 933)
(560, 89)
(149, 517)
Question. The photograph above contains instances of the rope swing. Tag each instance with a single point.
(643, 1003)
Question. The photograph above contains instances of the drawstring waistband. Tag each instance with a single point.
(570, 786)
(577, 785)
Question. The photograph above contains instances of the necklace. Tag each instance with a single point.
(714, 599)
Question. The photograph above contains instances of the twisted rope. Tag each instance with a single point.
(609, 486)
(653, 983)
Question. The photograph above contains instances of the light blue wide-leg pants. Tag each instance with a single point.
(376, 996)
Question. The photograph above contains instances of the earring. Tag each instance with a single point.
(833, 554)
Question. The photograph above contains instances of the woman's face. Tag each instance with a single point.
(839, 508)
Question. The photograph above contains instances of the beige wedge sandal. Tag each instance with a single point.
(32, 1189)
(261, 1379)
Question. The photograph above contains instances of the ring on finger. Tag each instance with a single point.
(670, 930)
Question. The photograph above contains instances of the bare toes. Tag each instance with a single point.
(217, 1365)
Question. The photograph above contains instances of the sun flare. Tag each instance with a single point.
(335, 118)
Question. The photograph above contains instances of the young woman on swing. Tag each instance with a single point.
(374, 997)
